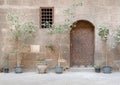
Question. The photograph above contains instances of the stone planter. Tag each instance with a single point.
(42, 68)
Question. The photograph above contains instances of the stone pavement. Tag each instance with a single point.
(67, 78)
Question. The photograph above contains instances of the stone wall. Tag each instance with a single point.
(96, 11)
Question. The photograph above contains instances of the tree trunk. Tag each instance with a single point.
(18, 57)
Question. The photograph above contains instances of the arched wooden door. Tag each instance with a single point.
(82, 44)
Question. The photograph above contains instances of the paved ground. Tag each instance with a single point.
(67, 78)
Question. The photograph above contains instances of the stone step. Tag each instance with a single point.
(81, 69)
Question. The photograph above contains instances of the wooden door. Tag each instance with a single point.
(82, 44)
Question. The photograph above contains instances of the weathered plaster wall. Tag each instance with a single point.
(96, 11)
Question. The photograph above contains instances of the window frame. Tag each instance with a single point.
(41, 15)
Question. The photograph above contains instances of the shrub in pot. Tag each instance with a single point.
(21, 34)
(103, 33)
(61, 29)
(107, 69)
(116, 45)
(6, 64)
(6, 70)
(58, 68)
(97, 69)
(42, 66)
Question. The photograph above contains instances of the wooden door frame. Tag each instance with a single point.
(93, 38)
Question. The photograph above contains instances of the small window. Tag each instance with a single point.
(46, 17)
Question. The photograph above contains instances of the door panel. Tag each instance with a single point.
(82, 44)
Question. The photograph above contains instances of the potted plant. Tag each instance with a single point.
(42, 66)
(21, 34)
(103, 33)
(116, 35)
(97, 69)
(59, 69)
(62, 28)
(116, 44)
(58, 29)
(6, 65)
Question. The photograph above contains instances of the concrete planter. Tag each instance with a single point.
(42, 68)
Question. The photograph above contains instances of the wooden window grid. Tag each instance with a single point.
(46, 17)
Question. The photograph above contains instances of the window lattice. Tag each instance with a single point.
(46, 17)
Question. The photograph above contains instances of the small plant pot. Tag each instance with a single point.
(97, 70)
(107, 69)
(42, 69)
(6, 70)
(18, 70)
(59, 69)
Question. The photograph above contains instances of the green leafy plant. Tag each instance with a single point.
(51, 47)
(116, 35)
(103, 33)
(43, 62)
(64, 26)
(69, 15)
(97, 66)
(21, 34)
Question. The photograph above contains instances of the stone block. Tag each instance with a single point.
(29, 64)
(4, 10)
(14, 2)
(59, 11)
(115, 11)
(115, 18)
(30, 56)
(12, 58)
(110, 3)
(66, 3)
(4, 25)
(52, 63)
(105, 18)
(1, 2)
(28, 11)
(58, 19)
(44, 3)
(3, 17)
(12, 64)
(27, 2)
(93, 3)
(31, 17)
